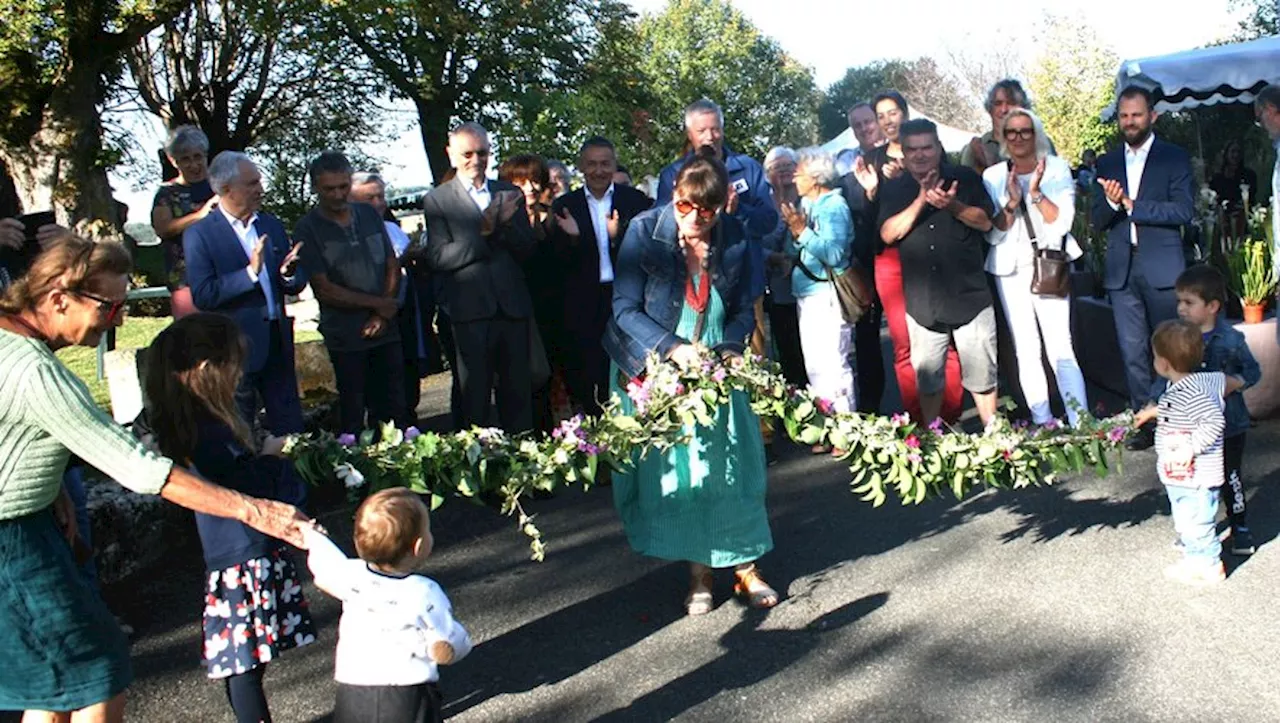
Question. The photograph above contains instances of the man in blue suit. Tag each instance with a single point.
(240, 263)
(1145, 195)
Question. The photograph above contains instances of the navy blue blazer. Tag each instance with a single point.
(1165, 203)
(217, 272)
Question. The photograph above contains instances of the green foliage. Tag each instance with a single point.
(1263, 19)
(886, 455)
(921, 81)
(706, 48)
(1072, 81)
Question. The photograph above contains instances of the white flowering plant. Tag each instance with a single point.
(886, 455)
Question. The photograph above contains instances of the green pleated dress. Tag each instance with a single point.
(705, 501)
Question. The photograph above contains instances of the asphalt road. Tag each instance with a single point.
(1037, 605)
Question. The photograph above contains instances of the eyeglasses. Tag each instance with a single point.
(108, 307)
(1025, 134)
(684, 208)
(483, 153)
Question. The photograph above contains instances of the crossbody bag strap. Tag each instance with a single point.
(1026, 218)
(812, 277)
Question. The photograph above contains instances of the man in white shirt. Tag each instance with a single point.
(1145, 195)
(600, 212)
(866, 129)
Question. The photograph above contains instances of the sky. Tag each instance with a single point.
(825, 35)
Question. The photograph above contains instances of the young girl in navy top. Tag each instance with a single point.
(254, 608)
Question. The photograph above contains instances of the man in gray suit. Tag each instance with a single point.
(478, 234)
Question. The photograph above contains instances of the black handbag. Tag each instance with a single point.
(1051, 269)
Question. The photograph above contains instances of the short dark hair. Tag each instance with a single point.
(918, 127)
(329, 162)
(1204, 281)
(525, 167)
(860, 104)
(1013, 89)
(597, 142)
(1134, 91)
(388, 525)
(704, 180)
(892, 95)
(1269, 95)
(1180, 343)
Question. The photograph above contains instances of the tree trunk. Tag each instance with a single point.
(434, 127)
(61, 168)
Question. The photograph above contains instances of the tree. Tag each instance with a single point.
(469, 59)
(1262, 21)
(1072, 81)
(921, 81)
(706, 48)
(243, 70)
(57, 61)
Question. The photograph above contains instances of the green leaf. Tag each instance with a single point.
(811, 435)
(436, 501)
(804, 410)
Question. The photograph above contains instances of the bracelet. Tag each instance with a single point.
(1036, 198)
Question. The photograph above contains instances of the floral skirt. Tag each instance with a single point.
(253, 612)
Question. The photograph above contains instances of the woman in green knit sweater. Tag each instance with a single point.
(62, 650)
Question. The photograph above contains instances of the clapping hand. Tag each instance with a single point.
(794, 218)
(501, 209)
(892, 169)
(942, 196)
(568, 224)
(1113, 190)
(866, 176)
(731, 201)
(290, 263)
(255, 258)
(1014, 189)
(614, 225)
(1037, 177)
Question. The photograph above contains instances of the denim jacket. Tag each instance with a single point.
(1225, 351)
(648, 288)
(827, 240)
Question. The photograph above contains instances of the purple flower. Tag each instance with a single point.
(936, 425)
(347, 440)
(719, 375)
(912, 441)
(1117, 434)
(588, 448)
(412, 433)
(1052, 425)
(915, 458)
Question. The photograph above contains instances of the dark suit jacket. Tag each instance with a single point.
(219, 279)
(1165, 203)
(480, 276)
(580, 257)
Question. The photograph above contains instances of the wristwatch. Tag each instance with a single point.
(1036, 198)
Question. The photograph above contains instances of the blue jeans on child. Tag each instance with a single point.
(1194, 513)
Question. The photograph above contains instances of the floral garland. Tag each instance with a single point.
(885, 454)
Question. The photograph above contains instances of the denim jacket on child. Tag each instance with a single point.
(1226, 351)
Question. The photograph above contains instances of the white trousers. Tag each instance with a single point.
(827, 343)
(1042, 323)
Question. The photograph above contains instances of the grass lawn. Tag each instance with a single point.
(137, 333)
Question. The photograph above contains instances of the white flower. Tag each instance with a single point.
(349, 475)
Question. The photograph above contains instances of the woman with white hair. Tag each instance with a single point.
(1034, 190)
(823, 232)
(181, 202)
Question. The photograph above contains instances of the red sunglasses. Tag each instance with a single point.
(105, 306)
(684, 208)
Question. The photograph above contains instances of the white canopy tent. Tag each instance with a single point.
(1204, 76)
(953, 139)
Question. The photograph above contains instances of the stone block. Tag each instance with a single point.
(124, 371)
(315, 372)
(1263, 398)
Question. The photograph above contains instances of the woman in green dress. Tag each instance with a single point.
(682, 284)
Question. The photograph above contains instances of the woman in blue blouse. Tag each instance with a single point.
(823, 233)
(683, 284)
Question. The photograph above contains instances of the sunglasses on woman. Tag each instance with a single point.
(684, 208)
(105, 306)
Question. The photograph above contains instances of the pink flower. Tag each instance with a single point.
(1008, 455)
(901, 419)
(914, 458)
(719, 375)
(1117, 434)
(936, 425)
(825, 406)
(912, 441)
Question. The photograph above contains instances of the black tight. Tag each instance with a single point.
(247, 698)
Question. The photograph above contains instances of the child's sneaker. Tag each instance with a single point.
(1196, 573)
(1242, 542)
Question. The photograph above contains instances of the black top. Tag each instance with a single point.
(1228, 188)
(942, 259)
(866, 232)
(181, 200)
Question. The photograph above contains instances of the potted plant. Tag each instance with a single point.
(1252, 268)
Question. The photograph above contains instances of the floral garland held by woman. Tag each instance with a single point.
(885, 454)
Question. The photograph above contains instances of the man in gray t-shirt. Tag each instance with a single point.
(354, 272)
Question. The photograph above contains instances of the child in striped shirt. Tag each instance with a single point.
(1189, 425)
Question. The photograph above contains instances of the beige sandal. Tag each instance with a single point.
(753, 589)
(700, 601)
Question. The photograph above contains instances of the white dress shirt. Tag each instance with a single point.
(248, 235)
(1135, 163)
(480, 195)
(600, 210)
